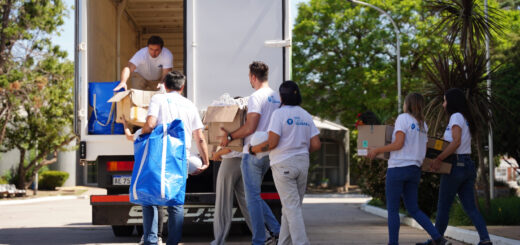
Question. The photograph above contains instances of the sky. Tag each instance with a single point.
(66, 37)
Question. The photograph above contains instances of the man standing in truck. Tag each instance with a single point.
(260, 106)
(178, 108)
(148, 66)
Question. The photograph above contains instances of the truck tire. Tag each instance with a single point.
(122, 230)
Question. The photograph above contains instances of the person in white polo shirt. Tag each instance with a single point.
(178, 108)
(407, 152)
(292, 136)
(260, 106)
(148, 66)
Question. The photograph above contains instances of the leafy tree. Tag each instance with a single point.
(464, 67)
(344, 55)
(36, 99)
(506, 91)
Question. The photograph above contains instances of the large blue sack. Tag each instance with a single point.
(103, 118)
(160, 167)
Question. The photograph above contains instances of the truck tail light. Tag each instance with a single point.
(113, 166)
(270, 196)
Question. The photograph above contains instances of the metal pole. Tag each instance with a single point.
(397, 34)
(490, 136)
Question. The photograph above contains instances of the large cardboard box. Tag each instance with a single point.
(228, 117)
(434, 148)
(133, 105)
(374, 136)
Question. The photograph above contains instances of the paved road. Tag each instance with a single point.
(328, 221)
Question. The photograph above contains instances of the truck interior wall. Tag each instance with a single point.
(102, 41)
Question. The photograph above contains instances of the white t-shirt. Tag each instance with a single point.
(151, 68)
(178, 108)
(232, 154)
(295, 127)
(415, 139)
(263, 101)
(465, 139)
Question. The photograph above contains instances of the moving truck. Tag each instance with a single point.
(212, 42)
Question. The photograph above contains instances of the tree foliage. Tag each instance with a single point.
(36, 82)
(506, 91)
(344, 55)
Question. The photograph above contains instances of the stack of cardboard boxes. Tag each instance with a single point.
(230, 118)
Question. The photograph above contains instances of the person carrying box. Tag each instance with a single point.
(261, 105)
(407, 152)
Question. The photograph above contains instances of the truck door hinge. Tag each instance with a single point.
(278, 43)
(82, 46)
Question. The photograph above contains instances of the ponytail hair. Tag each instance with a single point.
(414, 105)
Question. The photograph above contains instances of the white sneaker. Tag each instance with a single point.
(159, 241)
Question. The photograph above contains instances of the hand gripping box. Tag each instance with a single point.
(133, 105)
(374, 136)
(434, 148)
(229, 117)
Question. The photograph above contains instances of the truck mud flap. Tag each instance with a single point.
(198, 209)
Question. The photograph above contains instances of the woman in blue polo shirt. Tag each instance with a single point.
(292, 135)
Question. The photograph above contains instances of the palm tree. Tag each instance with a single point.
(464, 67)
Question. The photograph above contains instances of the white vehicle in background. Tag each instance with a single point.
(213, 42)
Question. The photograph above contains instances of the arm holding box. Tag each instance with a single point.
(394, 146)
(456, 133)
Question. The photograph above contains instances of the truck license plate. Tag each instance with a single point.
(121, 179)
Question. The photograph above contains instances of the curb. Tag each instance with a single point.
(41, 199)
(456, 233)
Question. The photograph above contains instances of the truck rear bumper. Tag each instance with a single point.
(199, 208)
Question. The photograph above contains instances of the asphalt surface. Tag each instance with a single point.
(329, 220)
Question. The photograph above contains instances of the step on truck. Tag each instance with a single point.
(212, 42)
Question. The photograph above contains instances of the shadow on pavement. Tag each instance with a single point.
(62, 236)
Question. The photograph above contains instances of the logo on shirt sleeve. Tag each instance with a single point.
(413, 126)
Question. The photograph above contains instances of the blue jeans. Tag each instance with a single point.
(253, 171)
(460, 181)
(404, 182)
(175, 221)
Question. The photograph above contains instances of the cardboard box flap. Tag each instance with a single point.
(142, 98)
(220, 114)
(119, 96)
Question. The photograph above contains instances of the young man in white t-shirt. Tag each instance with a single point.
(148, 66)
(261, 105)
(178, 108)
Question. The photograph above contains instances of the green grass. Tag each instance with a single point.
(504, 211)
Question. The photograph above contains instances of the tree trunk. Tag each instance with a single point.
(483, 172)
(21, 182)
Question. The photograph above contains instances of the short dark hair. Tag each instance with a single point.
(290, 93)
(174, 80)
(260, 70)
(155, 40)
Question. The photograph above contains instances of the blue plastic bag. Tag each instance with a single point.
(103, 118)
(160, 168)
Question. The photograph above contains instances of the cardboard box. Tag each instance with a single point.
(133, 105)
(374, 136)
(228, 117)
(434, 148)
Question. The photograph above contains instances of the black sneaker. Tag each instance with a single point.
(442, 241)
(429, 242)
(485, 243)
(272, 240)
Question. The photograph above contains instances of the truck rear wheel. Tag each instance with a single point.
(122, 230)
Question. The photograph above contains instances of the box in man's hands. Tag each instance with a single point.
(133, 105)
(434, 148)
(228, 117)
(374, 136)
